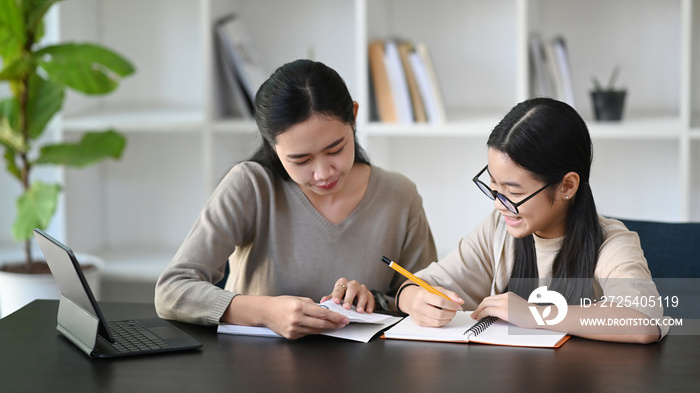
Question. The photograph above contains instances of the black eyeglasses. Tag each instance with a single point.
(510, 205)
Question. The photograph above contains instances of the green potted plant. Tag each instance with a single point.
(609, 101)
(37, 76)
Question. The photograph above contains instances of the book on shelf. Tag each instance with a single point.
(428, 84)
(398, 83)
(233, 102)
(561, 57)
(240, 56)
(540, 78)
(362, 326)
(404, 86)
(405, 49)
(489, 330)
(551, 68)
(383, 96)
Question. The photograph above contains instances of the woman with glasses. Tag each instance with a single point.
(544, 232)
(304, 220)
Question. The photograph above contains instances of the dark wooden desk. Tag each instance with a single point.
(35, 358)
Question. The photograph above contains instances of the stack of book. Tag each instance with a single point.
(551, 69)
(239, 66)
(403, 83)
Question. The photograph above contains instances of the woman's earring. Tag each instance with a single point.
(567, 197)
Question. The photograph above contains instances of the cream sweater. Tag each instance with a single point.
(481, 265)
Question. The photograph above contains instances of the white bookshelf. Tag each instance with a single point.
(135, 212)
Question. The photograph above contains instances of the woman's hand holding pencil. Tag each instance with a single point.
(413, 278)
(434, 306)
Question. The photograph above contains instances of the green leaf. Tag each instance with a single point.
(93, 147)
(35, 11)
(35, 208)
(9, 137)
(12, 35)
(16, 69)
(45, 100)
(596, 84)
(88, 68)
(8, 109)
(613, 78)
(11, 163)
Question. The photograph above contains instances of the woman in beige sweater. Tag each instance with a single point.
(306, 219)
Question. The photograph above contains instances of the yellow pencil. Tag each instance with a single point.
(413, 278)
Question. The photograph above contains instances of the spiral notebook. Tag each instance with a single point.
(490, 330)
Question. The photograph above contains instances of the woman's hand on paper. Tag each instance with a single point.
(429, 309)
(289, 316)
(294, 317)
(347, 292)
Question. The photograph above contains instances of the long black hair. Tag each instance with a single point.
(549, 139)
(294, 93)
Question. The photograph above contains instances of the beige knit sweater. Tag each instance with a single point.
(279, 244)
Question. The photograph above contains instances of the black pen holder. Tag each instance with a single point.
(608, 105)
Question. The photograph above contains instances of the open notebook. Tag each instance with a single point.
(362, 326)
(489, 330)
